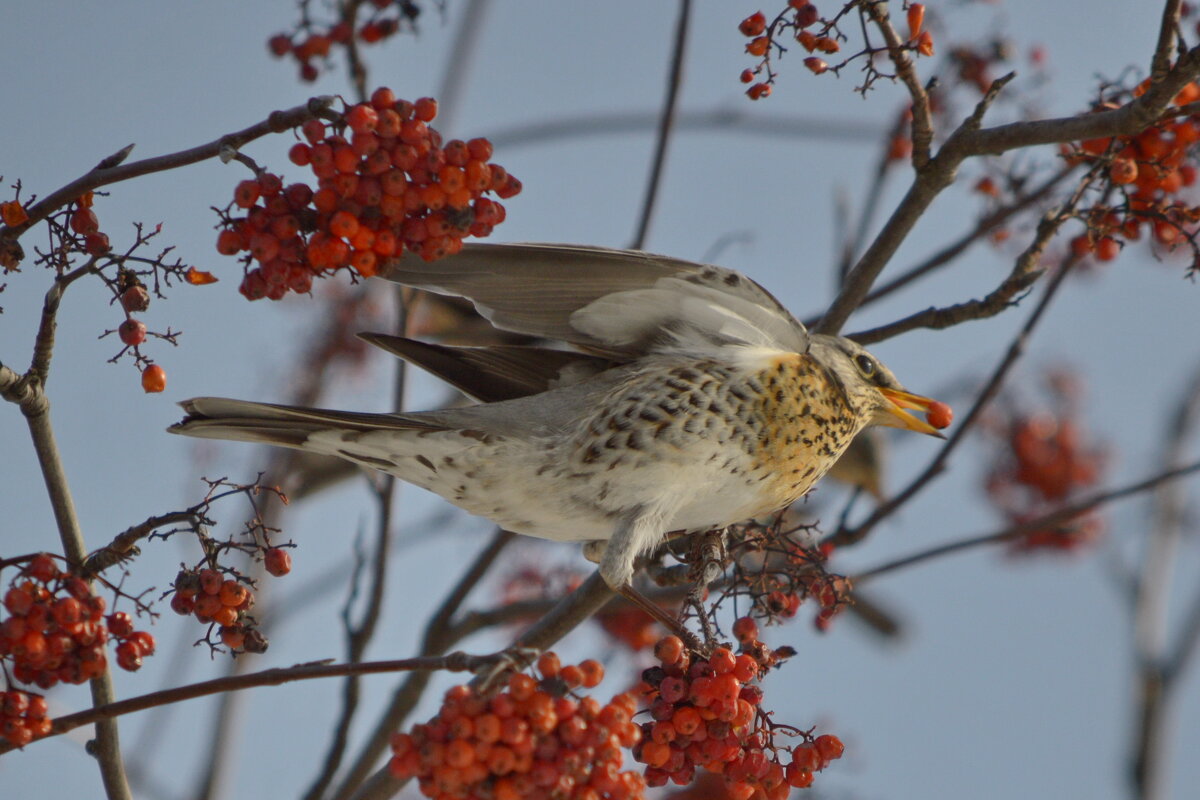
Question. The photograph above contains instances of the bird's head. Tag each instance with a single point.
(870, 386)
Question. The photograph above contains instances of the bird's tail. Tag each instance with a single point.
(282, 426)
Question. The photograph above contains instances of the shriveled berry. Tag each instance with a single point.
(132, 332)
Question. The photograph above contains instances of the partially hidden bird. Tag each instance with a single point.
(691, 400)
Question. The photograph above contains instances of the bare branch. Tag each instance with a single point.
(844, 536)
(277, 122)
(1048, 520)
(436, 640)
(922, 122)
(665, 125)
(453, 662)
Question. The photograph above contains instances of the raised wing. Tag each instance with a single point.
(620, 303)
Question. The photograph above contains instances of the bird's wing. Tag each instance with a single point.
(620, 303)
(495, 372)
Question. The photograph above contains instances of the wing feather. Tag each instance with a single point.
(618, 303)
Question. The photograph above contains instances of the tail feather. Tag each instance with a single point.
(283, 426)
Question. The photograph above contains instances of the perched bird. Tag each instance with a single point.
(694, 400)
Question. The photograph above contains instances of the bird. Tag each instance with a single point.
(690, 400)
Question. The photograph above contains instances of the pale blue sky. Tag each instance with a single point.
(1015, 679)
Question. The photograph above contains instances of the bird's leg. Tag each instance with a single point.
(664, 618)
(638, 532)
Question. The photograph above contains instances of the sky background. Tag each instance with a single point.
(1015, 677)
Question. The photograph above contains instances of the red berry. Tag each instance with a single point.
(280, 45)
(246, 193)
(129, 656)
(154, 379)
(425, 109)
(939, 415)
(277, 561)
(132, 332)
(829, 747)
(84, 221)
(96, 243)
(745, 629)
(383, 98)
(754, 24)
(816, 65)
(120, 624)
(135, 298)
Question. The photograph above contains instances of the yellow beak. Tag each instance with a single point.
(898, 401)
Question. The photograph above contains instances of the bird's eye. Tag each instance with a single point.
(866, 365)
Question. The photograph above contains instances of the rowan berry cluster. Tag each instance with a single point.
(23, 717)
(531, 741)
(1149, 170)
(84, 222)
(705, 713)
(392, 186)
(215, 599)
(802, 21)
(1045, 460)
(57, 631)
(312, 42)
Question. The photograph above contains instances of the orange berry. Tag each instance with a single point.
(758, 91)
(362, 118)
(13, 213)
(233, 636)
(232, 593)
(753, 25)
(916, 19)
(343, 224)
(807, 40)
(939, 415)
(686, 720)
(365, 262)
(722, 660)
(799, 777)
(154, 379)
(669, 650)
(548, 664)
(827, 45)
(572, 675)
(246, 193)
(593, 673)
(1106, 250)
(521, 686)
(829, 747)
(425, 109)
(925, 43)
(277, 561)
(758, 47)
(224, 615)
(816, 65)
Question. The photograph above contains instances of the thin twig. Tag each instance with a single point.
(101, 175)
(1047, 520)
(436, 640)
(666, 124)
(574, 609)
(1153, 649)
(846, 536)
(453, 662)
(359, 636)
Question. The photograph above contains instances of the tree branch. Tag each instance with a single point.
(1047, 520)
(666, 123)
(453, 662)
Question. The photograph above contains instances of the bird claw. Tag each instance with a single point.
(501, 665)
